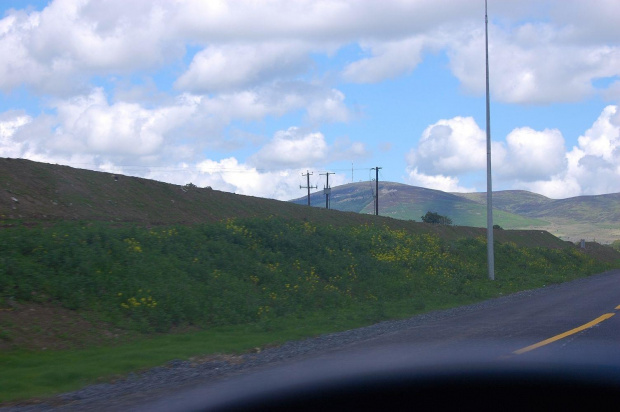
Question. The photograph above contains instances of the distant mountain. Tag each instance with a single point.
(586, 209)
(583, 217)
(407, 202)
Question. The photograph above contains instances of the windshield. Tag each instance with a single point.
(300, 192)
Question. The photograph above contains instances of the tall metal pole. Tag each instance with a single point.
(490, 252)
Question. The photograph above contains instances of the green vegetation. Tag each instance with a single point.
(27, 375)
(254, 270)
(406, 202)
(436, 219)
(151, 260)
(259, 280)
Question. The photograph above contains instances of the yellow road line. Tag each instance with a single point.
(563, 335)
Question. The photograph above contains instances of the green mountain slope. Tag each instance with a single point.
(520, 202)
(595, 218)
(582, 217)
(406, 202)
(592, 209)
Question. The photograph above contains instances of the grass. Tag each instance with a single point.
(36, 374)
(30, 374)
(241, 271)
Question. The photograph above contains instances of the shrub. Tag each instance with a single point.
(436, 218)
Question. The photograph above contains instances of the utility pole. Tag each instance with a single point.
(308, 185)
(327, 190)
(376, 189)
(490, 252)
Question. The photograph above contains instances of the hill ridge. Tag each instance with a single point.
(42, 191)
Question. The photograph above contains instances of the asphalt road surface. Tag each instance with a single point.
(557, 346)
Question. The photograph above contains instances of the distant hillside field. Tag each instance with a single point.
(593, 218)
(406, 202)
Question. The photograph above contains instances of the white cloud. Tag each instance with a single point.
(57, 49)
(602, 138)
(591, 168)
(232, 176)
(297, 148)
(291, 148)
(10, 123)
(320, 103)
(131, 133)
(595, 164)
(531, 160)
(88, 125)
(533, 63)
(328, 106)
(265, 62)
(437, 182)
(590, 22)
(322, 21)
(125, 129)
(231, 67)
(450, 147)
(388, 60)
(531, 155)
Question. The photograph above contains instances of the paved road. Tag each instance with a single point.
(573, 324)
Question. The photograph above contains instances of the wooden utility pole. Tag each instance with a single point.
(376, 189)
(307, 185)
(327, 190)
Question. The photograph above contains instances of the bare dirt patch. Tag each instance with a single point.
(47, 326)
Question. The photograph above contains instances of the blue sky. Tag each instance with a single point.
(246, 96)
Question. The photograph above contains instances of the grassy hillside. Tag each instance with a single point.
(35, 192)
(582, 217)
(39, 191)
(594, 218)
(255, 269)
(89, 260)
(406, 202)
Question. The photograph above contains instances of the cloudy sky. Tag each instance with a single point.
(247, 95)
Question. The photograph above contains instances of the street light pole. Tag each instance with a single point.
(490, 252)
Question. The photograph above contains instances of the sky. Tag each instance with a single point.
(248, 96)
